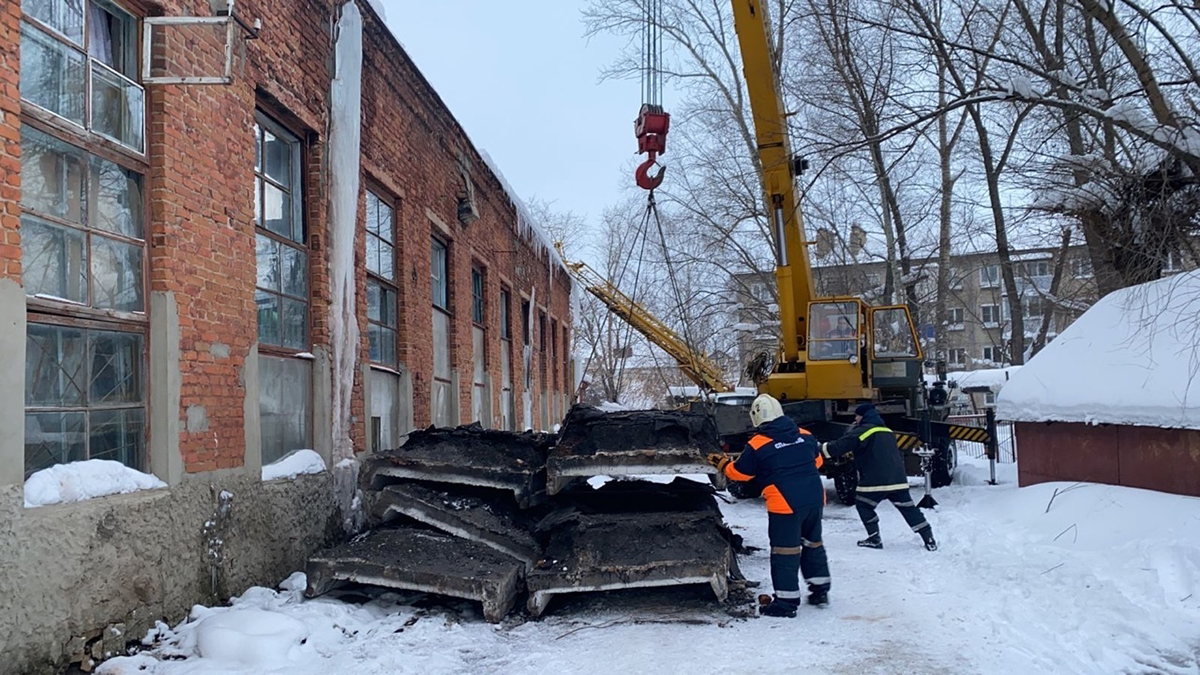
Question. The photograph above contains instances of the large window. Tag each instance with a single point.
(281, 293)
(508, 418)
(480, 408)
(82, 237)
(444, 398)
(83, 256)
(79, 62)
(84, 396)
(381, 279)
(282, 288)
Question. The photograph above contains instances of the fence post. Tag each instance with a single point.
(993, 444)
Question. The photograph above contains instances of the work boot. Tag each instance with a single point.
(818, 598)
(778, 609)
(930, 544)
(873, 541)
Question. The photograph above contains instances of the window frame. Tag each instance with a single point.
(960, 352)
(985, 281)
(952, 324)
(86, 128)
(1081, 267)
(298, 194)
(87, 326)
(990, 352)
(994, 322)
(444, 279)
(87, 309)
(478, 296)
(376, 278)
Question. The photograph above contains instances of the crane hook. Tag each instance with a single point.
(643, 177)
(651, 128)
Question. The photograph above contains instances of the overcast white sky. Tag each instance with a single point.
(524, 82)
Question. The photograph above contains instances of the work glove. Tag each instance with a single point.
(718, 460)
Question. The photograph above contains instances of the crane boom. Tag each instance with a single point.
(793, 272)
(694, 365)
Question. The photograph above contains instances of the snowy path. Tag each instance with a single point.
(1117, 592)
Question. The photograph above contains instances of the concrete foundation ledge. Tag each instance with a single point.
(79, 580)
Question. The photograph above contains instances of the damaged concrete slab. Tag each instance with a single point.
(639, 442)
(468, 455)
(608, 541)
(492, 520)
(421, 560)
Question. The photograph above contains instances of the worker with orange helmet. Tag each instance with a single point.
(786, 460)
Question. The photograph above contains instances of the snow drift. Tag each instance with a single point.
(77, 481)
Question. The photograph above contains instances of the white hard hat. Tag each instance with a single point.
(764, 409)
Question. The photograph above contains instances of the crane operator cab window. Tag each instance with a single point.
(894, 338)
(833, 331)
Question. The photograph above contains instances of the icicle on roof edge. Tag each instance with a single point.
(527, 226)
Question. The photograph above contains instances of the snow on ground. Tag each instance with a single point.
(1055, 578)
(296, 463)
(1133, 358)
(77, 481)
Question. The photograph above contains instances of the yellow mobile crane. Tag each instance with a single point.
(835, 352)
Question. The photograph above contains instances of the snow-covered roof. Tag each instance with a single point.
(993, 378)
(1133, 358)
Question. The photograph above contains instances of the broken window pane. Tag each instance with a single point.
(277, 211)
(52, 74)
(53, 260)
(117, 435)
(295, 324)
(285, 399)
(267, 252)
(268, 318)
(51, 176)
(54, 374)
(118, 107)
(116, 199)
(116, 360)
(54, 438)
(295, 272)
(116, 275)
(278, 153)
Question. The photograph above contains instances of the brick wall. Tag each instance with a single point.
(411, 145)
(200, 218)
(10, 141)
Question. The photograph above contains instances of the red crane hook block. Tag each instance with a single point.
(651, 128)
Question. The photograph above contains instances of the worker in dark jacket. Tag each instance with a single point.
(785, 459)
(881, 475)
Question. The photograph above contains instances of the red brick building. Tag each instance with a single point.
(169, 293)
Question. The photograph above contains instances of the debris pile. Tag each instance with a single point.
(495, 516)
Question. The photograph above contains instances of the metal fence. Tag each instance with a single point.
(1006, 440)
